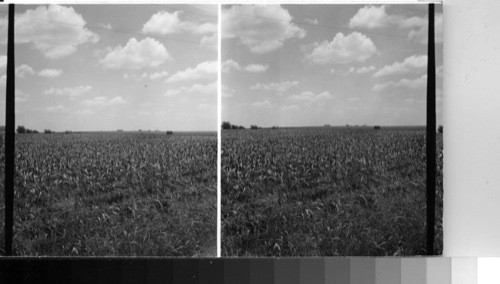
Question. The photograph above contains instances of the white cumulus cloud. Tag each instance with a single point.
(279, 87)
(250, 24)
(372, 17)
(252, 68)
(365, 69)
(355, 47)
(210, 41)
(230, 64)
(146, 75)
(196, 89)
(41, 27)
(369, 17)
(376, 17)
(71, 92)
(51, 73)
(406, 83)
(412, 63)
(23, 70)
(56, 108)
(136, 55)
(309, 97)
(164, 23)
(103, 101)
(204, 70)
(256, 68)
(420, 34)
(158, 75)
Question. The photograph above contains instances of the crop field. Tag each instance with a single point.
(326, 191)
(115, 194)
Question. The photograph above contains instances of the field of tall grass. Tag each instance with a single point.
(115, 194)
(326, 192)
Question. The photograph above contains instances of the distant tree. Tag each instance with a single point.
(21, 129)
(440, 129)
(376, 127)
(170, 133)
(226, 125)
(254, 127)
(68, 132)
(274, 127)
(48, 131)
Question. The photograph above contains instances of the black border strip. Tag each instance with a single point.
(10, 135)
(431, 136)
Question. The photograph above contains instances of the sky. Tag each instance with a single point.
(109, 67)
(310, 65)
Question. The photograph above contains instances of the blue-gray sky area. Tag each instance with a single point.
(108, 67)
(310, 65)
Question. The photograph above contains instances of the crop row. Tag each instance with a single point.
(115, 194)
(302, 192)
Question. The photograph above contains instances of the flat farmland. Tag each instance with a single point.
(326, 191)
(116, 194)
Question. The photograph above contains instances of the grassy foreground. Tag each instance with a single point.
(326, 192)
(120, 194)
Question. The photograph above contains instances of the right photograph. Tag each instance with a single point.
(325, 130)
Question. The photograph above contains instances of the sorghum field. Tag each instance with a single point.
(326, 191)
(116, 194)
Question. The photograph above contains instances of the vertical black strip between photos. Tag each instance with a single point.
(431, 135)
(9, 135)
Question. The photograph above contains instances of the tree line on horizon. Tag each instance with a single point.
(23, 130)
(227, 125)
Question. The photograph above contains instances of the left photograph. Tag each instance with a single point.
(116, 129)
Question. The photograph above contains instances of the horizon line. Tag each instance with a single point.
(336, 125)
